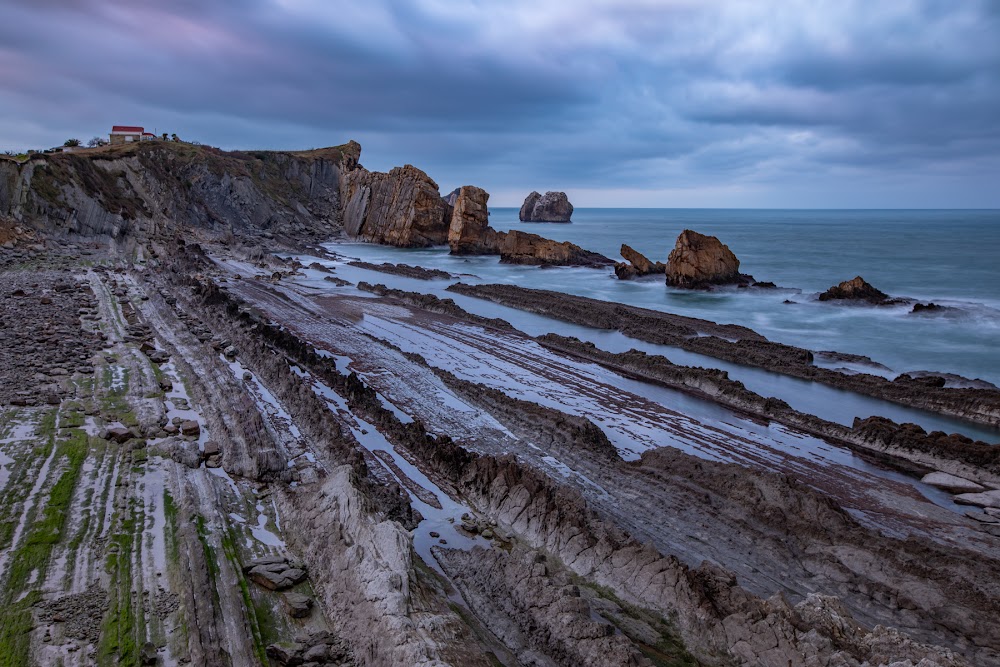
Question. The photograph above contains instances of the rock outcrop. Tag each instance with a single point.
(699, 262)
(856, 289)
(402, 208)
(470, 232)
(636, 264)
(523, 248)
(550, 207)
(150, 189)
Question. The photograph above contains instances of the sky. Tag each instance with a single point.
(648, 103)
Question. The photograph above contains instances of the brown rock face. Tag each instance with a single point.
(698, 261)
(470, 232)
(402, 208)
(636, 265)
(523, 248)
(550, 207)
(854, 290)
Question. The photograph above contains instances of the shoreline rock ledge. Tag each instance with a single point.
(701, 262)
(550, 207)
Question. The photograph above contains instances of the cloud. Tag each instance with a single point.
(769, 97)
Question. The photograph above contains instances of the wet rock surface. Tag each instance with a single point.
(739, 345)
(51, 341)
(406, 270)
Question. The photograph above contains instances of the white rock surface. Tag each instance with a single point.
(985, 499)
(954, 483)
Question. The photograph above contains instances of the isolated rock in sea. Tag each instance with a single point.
(550, 207)
(927, 308)
(636, 265)
(402, 208)
(856, 289)
(699, 261)
(523, 248)
(470, 232)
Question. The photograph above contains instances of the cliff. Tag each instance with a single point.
(147, 189)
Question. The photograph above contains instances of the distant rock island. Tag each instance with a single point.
(550, 207)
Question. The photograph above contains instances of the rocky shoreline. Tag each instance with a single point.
(210, 457)
(750, 349)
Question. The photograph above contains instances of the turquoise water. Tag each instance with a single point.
(949, 257)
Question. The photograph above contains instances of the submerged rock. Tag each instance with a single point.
(550, 207)
(856, 289)
(699, 261)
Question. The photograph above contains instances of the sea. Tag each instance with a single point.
(948, 257)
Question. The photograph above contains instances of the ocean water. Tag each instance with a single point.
(949, 257)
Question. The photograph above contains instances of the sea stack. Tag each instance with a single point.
(699, 262)
(550, 207)
(470, 232)
(856, 289)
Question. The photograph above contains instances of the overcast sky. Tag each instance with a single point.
(757, 103)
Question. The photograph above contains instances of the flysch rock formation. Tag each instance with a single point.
(205, 459)
(143, 190)
(698, 261)
(550, 207)
(636, 265)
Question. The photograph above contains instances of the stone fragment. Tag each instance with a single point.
(953, 483)
(984, 499)
(190, 427)
(297, 605)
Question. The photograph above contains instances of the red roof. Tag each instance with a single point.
(148, 134)
(126, 129)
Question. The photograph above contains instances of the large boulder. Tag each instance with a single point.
(699, 261)
(636, 265)
(402, 208)
(856, 289)
(470, 232)
(550, 207)
(524, 248)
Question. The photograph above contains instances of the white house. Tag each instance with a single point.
(123, 134)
